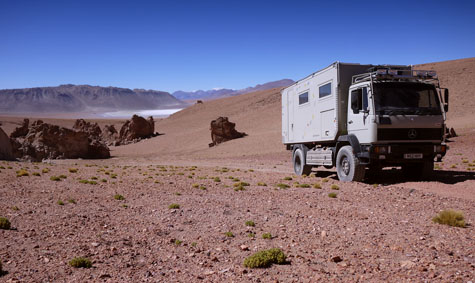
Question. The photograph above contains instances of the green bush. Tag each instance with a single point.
(303, 186)
(80, 262)
(250, 223)
(262, 184)
(332, 195)
(217, 179)
(174, 206)
(335, 187)
(119, 197)
(451, 218)
(55, 178)
(317, 186)
(282, 186)
(229, 234)
(73, 170)
(288, 178)
(267, 236)
(45, 170)
(37, 174)
(265, 258)
(5, 223)
(60, 202)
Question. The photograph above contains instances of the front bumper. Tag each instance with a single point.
(404, 153)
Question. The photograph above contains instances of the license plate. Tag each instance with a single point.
(413, 156)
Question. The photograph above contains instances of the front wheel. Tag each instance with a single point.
(300, 168)
(348, 166)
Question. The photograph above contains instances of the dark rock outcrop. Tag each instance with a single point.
(110, 135)
(222, 130)
(92, 129)
(136, 129)
(46, 141)
(6, 152)
(22, 130)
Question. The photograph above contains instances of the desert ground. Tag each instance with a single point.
(377, 230)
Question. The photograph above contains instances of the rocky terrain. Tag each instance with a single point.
(172, 209)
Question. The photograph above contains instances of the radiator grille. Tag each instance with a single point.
(410, 134)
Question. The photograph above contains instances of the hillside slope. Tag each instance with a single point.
(186, 133)
(78, 98)
(459, 77)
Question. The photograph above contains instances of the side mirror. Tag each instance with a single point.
(446, 100)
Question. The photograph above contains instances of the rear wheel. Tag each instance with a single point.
(300, 168)
(348, 166)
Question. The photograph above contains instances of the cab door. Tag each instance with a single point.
(359, 114)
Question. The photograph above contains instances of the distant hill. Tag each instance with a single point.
(79, 98)
(224, 92)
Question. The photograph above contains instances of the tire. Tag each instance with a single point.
(298, 159)
(419, 171)
(348, 166)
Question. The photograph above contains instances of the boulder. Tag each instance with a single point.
(110, 135)
(6, 151)
(136, 129)
(92, 129)
(222, 130)
(46, 141)
(22, 130)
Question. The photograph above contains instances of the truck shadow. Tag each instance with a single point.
(396, 176)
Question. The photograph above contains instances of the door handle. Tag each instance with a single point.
(350, 122)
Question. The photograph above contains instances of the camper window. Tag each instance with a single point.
(303, 98)
(325, 90)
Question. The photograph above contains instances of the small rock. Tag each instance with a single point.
(46, 260)
(324, 234)
(95, 244)
(336, 259)
(244, 247)
(407, 264)
(208, 272)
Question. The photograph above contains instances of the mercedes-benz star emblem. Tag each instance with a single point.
(412, 134)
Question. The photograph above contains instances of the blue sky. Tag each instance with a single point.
(190, 45)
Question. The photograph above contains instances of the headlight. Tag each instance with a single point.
(380, 149)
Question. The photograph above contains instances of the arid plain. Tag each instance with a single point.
(377, 230)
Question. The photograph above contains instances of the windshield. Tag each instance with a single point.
(406, 99)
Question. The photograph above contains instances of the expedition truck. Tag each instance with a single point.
(356, 117)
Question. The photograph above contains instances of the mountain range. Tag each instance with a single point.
(80, 98)
(224, 92)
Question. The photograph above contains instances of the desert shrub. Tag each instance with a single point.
(324, 180)
(9, 167)
(229, 234)
(178, 242)
(45, 170)
(71, 201)
(265, 258)
(243, 184)
(94, 178)
(267, 236)
(288, 178)
(235, 179)
(55, 178)
(332, 195)
(251, 235)
(103, 180)
(80, 262)
(60, 202)
(317, 186)
(4, 223)
(335, 187)
(282, 186)
(217, 179)
(174, 206)
(250, 223)
(37, 174)
(451, 218)
(239, 188)
(194, 244)
(195, 185)
(15, 208)
(262, 184)
(178, 194)
(22, 173)
(303, 186)
(119, 197)
(203, 188)
(1, 167)
(63, 176)
(73, 170)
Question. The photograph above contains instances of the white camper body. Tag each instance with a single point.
(356, 117)
(314, 109)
